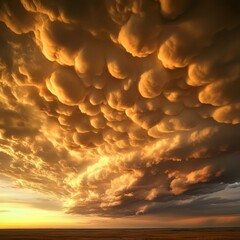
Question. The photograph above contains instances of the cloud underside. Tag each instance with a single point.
(119, 107)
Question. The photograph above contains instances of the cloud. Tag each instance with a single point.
(3, 211)
(181, 183)
(61, 84)
(120, 107)
(140, 33)
(152, 82)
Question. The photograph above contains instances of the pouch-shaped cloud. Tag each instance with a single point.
(140, 33)
(117, 106)
(119, 63)
(90, 59)
(152, 82)
(66, 86)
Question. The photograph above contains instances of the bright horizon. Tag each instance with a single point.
(21, 215)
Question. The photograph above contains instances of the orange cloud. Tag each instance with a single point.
(117, 107)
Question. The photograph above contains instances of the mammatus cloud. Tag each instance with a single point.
(121, 107)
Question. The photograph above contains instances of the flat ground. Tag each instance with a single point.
(123, 234)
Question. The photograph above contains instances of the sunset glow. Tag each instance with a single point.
(119, 114)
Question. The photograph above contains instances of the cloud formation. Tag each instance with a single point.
(119, 107)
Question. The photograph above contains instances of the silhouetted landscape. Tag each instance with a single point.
(126, 234)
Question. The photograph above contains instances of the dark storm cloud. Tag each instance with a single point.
(121, 107)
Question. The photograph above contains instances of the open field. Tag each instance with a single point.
(124, 234)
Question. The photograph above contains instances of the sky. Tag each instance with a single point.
(119, 113)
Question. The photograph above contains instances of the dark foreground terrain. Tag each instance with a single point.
(126, 234)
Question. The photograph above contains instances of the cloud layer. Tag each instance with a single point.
(118, 107)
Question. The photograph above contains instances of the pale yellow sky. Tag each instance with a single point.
(23, 208)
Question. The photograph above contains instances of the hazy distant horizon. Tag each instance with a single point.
(131, 234)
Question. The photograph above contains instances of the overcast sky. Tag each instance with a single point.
(119, 113)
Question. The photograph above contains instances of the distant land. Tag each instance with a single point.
(124, 234)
